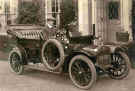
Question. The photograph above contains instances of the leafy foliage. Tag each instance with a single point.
(68, 13)
(29, 13)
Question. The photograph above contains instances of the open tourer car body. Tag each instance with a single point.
(77, 55)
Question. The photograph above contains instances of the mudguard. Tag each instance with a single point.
(73, 53)
(23, 53)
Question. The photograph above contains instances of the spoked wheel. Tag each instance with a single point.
(120, 66)
(15, 61)
(82, 72)
(53, 54)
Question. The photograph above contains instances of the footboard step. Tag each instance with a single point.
(41, 67)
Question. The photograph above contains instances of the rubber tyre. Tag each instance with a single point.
(61, 52)
(127, 70)
(18, 52)
(92, 68)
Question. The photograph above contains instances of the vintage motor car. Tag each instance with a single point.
(59, 51)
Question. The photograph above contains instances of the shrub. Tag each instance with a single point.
(68, 13)
(29, 13)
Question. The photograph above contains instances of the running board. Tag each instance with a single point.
(41, 67)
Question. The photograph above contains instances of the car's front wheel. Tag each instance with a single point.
(120, 65)
(82, 72)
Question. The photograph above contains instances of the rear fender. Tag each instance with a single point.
(23, 53)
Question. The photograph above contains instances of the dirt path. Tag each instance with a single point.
(34, 80)
(3, 55)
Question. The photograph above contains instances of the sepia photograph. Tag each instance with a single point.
(67, 45)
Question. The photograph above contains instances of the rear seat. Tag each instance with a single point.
(29, 34)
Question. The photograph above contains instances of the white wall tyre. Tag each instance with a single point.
(52, 54)
(15, 61)
(82, 72)
(120, 66)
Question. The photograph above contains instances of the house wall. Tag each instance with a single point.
(104, 27)
(107, 28)
(83, 17)
(13, 4)
(13, 10)
(2, 17)
(126, 15)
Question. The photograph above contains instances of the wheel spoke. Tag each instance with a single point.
(119, 66)
(15, 68)
(15, 62)
(87, 76)
(77, 65)
(74, 69)
(118, 58)
(81, 72)
(114, 57)
(78, 78)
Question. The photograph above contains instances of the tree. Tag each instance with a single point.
(68, 14)
(29, 13)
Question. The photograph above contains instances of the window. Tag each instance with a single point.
(1, 7)
(69, 14)
(7, 11)
(60, 13)
(113, 10)
(53, 12)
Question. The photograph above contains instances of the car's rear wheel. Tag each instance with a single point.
(15, 61)
(53, 54)
(82, 72)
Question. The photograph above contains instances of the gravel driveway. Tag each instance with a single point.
(34, 80)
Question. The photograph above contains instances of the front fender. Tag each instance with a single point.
(87, 53)
(73, 54)
(90, 51)
(116, 48)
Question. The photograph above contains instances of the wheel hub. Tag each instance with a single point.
(80, 72)
(119, 68)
